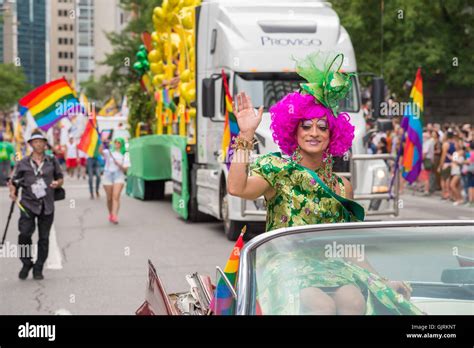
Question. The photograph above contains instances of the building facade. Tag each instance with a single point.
(55, 38)
(31, 39)
(62, 39)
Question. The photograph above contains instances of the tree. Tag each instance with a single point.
(434, 35)
(126, 43)
(13, 86)
(141, 106)
(98, 91)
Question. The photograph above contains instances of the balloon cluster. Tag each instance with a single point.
(142, 64)
(172, 57)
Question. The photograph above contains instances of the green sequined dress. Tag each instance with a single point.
(300, 200)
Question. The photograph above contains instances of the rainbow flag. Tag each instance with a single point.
(90, 141)
(413, 126)
(231, 128)
(50, 102)
(223, 302)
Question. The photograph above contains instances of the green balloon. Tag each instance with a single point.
(138, 66)
(141, 55)
(141, 48)
(146, 65)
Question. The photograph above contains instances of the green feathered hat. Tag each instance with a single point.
(324, 80)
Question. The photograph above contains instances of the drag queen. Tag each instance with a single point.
(300, 188)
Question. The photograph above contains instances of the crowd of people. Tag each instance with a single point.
(447, 163)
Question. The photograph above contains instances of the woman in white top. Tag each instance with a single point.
(116, 165)
(455, 182)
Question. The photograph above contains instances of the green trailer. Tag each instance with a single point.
(156, 159)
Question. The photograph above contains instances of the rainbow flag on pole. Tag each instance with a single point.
(223, 302)
(50, 102)
(90, 141)
(413, 126)
(231, 128)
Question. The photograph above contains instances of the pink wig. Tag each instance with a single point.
(294, 107)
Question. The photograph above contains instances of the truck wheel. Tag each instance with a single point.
(154, 190)
(232, 228)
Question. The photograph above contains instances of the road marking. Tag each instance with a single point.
(54, 260)
(62, 311)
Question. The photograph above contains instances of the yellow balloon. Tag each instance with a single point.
(190, 41)
(183, 89)
(185, 75)
(158, 12)
(157, 68)
(154, 56)
(187, 21)
(155, 36)
(158, 79)
(165, 5)
(190, 96)
(159, 27)
(192, 112)
(173, 3)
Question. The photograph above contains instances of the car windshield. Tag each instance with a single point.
(268, 88)
(396, 270)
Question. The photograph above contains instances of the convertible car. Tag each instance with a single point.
(435, 259)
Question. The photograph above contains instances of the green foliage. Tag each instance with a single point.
(13, 86)
(436, 35)
(125, 44)
(141, 106)
(98, 91)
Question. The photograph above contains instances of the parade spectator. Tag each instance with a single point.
(38, 174)
(82, 164)
(71, 157)
(428, 162)
(93, 169)
(444, 168)
(470, 173)
(382, 146)
(436, 161)
(116, 166)
(466, 147)
(456, 163)
(437, 128)
(7, 159)
(60, 154)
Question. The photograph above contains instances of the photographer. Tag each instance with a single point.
(39, 174)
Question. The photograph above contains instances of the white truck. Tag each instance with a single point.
(254, 42)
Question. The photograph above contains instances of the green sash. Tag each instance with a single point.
(351, 207)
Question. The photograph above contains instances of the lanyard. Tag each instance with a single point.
(36, 168)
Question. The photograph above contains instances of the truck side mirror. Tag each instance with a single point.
(208, 97)
(378, 96)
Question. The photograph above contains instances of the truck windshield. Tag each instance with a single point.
(268, 88)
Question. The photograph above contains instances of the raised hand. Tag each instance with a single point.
(247, 119)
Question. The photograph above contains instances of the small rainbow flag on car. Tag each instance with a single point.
(231, 128)
(413, 126)
(223, 302)
(50, 102)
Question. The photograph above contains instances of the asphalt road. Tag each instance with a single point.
(98, 268)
